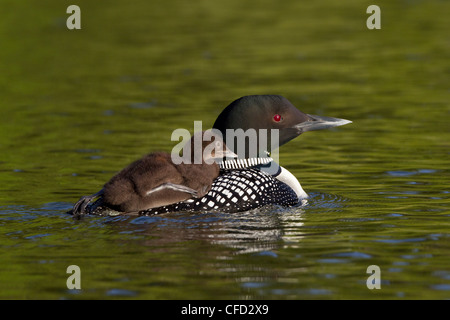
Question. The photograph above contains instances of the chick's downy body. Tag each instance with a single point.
(155, 181)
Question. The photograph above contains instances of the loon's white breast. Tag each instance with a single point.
(288, 178)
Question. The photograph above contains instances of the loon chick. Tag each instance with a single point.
(155, 180)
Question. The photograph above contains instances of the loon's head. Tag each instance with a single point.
(271, 112)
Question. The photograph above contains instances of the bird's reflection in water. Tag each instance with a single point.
(257, 230)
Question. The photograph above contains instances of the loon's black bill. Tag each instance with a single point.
(320, 122)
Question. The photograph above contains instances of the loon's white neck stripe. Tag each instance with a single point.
(244, 163)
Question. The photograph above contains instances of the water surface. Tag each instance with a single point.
(79, 105)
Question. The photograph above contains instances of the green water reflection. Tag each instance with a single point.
(79, 105)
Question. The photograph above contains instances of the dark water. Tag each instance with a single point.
(79, 105)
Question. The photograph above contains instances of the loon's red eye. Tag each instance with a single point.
(277, 118)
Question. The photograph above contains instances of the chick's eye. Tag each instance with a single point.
(277, 118)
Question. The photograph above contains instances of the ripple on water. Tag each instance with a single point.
(406, 173)
(121, 293)
(326, 200)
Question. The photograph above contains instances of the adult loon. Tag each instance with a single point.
(254, 179)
